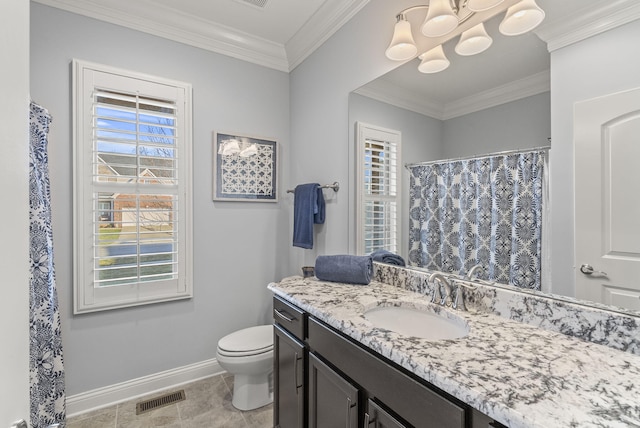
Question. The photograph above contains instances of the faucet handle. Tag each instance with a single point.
(458, 299)
(437, 291)
(447, 291)
(439, 281)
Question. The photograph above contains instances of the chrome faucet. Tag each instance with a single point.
(472, 271)
(458, 299)
(441, 282)
(455, 296)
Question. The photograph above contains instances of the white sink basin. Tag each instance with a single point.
(418, 323)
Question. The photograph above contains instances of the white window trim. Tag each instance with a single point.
(86, 297)
(366, 131)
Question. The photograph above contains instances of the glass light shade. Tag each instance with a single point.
(402, 46)
(521, 17)
(250, 150)
(480, 5)
(440, 19)
(473, 41)
(433, 61)
(229, 148)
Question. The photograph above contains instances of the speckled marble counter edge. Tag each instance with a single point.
(587, 322)
(518, 374)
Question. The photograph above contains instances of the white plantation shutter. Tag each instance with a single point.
(133, 190)
(378, 189)
(135, 170)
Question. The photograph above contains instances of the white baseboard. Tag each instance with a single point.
(131, 389)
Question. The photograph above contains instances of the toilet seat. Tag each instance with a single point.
(246, 342)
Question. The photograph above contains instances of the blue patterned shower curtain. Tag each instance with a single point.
(47, 388)
(485, 211)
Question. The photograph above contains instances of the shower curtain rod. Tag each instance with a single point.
(506, 152)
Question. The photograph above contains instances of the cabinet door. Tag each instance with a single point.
(377, 417)
(333, 401)
(288, 376)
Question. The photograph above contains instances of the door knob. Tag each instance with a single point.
(587, 269)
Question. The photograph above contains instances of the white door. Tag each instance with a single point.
(607, 199)
(14, 215)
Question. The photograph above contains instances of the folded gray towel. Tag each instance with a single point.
(345, 268)
(387, 257)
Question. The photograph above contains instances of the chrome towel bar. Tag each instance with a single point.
(335, 186)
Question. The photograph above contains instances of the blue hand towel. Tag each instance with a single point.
(308, 208)
(344, 268)
(387, 257)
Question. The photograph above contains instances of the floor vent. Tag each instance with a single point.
(165, 400)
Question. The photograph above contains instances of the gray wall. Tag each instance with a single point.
(421, 139)
(320, 88)
(600, 65)
(238, 247)
(520, 124)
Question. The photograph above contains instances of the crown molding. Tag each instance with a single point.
(512, 91)
(388, 93)
(331, 16)
(143, 15)
(588, 22)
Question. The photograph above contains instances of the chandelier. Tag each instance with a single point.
(444, 16)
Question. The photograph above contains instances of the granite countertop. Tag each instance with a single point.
(518, 374)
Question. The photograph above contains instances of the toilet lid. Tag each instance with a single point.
(249, 340)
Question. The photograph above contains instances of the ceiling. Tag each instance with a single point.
(274, 20)
(277, 34)
(280, 34)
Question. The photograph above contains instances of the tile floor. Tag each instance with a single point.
(207, 405)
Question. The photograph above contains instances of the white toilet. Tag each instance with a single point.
(248, 355)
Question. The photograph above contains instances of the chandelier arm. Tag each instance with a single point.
(455, 5)
(411, 9)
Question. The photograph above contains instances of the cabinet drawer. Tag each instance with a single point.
(290, 318)
(418, 404)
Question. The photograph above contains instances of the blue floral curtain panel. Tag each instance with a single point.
(485, 211)
(47, 387)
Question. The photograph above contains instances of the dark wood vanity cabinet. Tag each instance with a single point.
(413, 402)
(289, 366)
(322, 379)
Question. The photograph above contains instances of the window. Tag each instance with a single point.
(378, 189)
(132, 188)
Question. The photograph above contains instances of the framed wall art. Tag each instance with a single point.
(244, 168)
